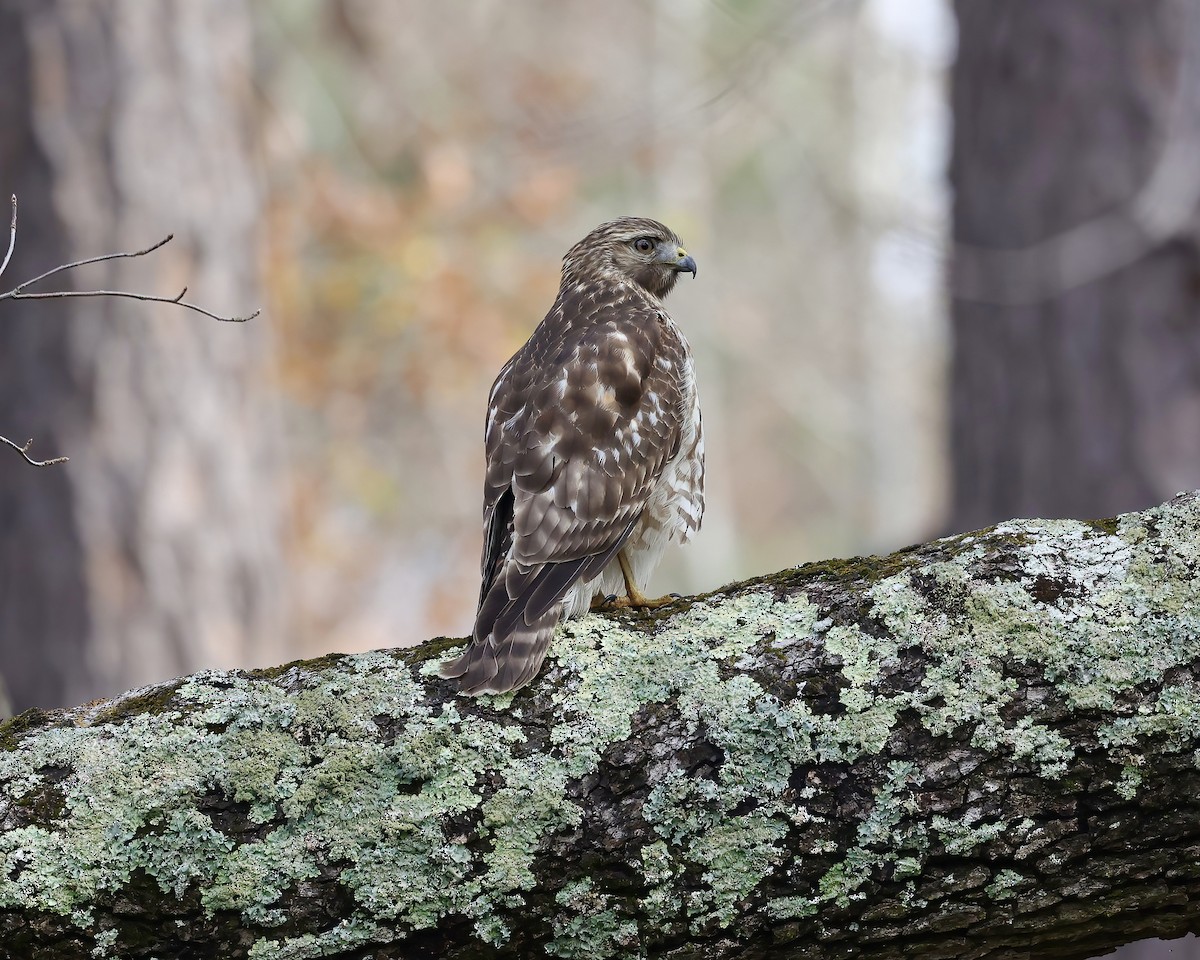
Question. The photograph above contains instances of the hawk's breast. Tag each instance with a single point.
(675, 506)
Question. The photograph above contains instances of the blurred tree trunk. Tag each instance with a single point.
(1076, 277)
(156, 550)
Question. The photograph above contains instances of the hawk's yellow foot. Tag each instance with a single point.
(634, 598)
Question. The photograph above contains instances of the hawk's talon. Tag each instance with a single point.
(634, 597)
(637, 602)
(645, 603)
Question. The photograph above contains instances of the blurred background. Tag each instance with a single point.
(948, 275)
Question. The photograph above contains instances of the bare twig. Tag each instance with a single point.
(177, 299)
(17, 292)
(12, 236)
(24, 451)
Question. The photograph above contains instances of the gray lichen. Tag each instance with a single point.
(110, 793)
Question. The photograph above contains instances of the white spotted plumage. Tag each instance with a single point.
(673, 509)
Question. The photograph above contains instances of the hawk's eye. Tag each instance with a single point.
(643, 244)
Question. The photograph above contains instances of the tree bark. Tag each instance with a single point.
(157, 548)
(983, 747)
(1076, 271)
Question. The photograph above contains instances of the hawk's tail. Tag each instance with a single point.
(491, 666)
(518, 611)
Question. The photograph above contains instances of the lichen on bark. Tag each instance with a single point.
(928, 754)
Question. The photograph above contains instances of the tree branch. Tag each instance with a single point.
(24, 451)
(17, 293)
(12, 236)
(982, 747)
(177, 299)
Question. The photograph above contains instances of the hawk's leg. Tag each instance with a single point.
(633, 596)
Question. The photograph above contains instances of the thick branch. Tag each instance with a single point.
(982, 747)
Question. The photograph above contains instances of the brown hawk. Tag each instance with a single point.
(595, 459)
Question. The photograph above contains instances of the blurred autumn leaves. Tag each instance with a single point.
(389, 324)
(427, 170)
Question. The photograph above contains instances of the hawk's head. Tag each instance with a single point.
(631, 248)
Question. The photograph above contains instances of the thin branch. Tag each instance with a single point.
(17, 292)
(24, 451)
(12, 236)
(177, 299)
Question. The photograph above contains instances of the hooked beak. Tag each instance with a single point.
(679, 259)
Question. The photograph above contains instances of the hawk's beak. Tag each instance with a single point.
(678, 258)
(685, 263)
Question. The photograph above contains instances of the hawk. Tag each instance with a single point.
(595, 458)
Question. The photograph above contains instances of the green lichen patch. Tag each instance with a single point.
(588, 925)
(1005, 885)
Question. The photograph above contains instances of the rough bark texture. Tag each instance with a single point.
(156, 549)
(983, 747)
(1076, 272)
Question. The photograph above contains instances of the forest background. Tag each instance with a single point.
(948, 274)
